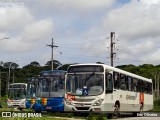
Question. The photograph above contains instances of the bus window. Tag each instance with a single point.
(146, 87)
(141, 86)
(135, 85)
(138, 90)
(123, 82)
(116, 80)
(150, 88)
(130, 85)
(109, 85)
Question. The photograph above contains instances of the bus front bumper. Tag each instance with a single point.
(58, 108)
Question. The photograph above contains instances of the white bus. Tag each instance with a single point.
(17, 95)
(102, 88)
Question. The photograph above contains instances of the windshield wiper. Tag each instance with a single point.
(90, 76)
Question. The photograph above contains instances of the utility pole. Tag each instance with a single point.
(158, 78)
(112, 34)
(155, 88)
(52, 46)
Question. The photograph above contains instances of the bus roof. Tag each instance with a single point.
(107, 67)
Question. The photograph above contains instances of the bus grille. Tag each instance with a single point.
(82, 108)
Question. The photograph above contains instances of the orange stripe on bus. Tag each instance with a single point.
(141, 98)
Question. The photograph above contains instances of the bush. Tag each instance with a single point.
(157, 105)
(3, 102)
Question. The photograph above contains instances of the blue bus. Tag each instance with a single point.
(50, 91)
(31, 92)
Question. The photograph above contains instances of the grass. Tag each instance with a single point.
(38, 118)
(64, 116)
(3, 102)
(56, 116)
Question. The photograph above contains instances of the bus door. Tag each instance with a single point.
(116, 90)
(109, 90)
(120, 90)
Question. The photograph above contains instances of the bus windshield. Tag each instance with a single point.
(92, 82)
(31, 90)
(17, 93)
(50, 87)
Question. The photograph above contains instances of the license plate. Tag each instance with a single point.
(48, 108)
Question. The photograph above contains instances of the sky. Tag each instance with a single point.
(81, 30)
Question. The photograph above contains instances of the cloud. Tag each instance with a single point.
(80, 29)
(15, 45)
(23, 29)
(152, 56)
(13, 18)
(134, 21)
(32, 36)
(150, 2)
(78, 5)
(136, 27)
(38, 30)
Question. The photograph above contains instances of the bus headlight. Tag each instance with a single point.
(23, 102)
(98, 102)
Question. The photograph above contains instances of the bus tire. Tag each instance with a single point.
(135, 114)
(20, 109)
(116, 111)
(37, 111)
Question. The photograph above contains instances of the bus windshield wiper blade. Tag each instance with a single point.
(90, 76)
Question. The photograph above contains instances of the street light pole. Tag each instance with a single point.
(9, 72)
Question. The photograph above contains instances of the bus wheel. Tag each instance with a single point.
(116, 111)
(20, 109)
(135, 114)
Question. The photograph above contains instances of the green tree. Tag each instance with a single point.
(35, 63)
(12, 65)
(55, 64)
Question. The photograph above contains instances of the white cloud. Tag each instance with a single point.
(14, 45)
(77, 5)
(38, 30)
(83, 26)
(13, 18)
(152, 57)
(134, 21)
(150, 2)
(23, 29)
